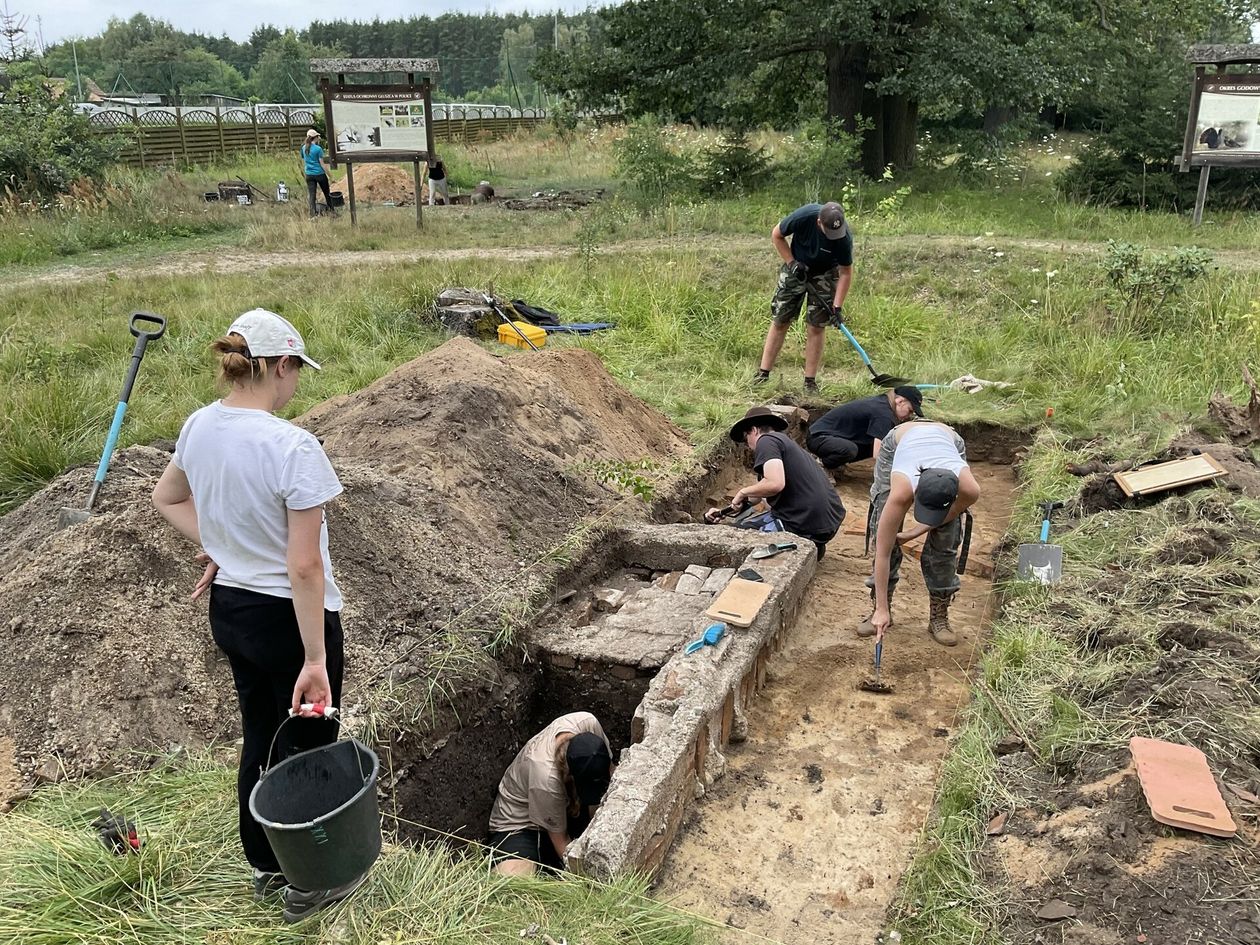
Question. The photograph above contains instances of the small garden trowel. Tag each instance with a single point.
(1042, 562)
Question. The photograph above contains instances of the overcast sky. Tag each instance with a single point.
(62, 19)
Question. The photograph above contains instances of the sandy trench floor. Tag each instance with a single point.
(819, 812)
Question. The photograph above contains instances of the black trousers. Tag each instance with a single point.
(259, 633)
(835, 451)
(317, 181)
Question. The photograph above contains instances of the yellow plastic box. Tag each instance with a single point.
(532, 332)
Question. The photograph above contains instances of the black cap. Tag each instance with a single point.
(933, 497)
(591, 766)
(914, 395)
(831, 219)
(755, 414)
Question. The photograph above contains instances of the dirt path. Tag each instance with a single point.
(809, 832)
(189, 262)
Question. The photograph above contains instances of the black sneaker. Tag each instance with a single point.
(300, 903)
(760, 378)
(811, 385)
(267, 884)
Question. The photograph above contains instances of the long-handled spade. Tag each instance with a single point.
(74, 516)
(877, 378)
(874, 683)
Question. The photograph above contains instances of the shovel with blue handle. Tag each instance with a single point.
(143, 337)
(1042, 562)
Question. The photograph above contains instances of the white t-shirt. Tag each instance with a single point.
(247, 468)
(926, 446)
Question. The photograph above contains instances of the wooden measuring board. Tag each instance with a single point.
(740, 602)
(1170, 475)
(1180, 788)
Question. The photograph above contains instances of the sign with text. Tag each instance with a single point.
(1224, 121)
(378, 121)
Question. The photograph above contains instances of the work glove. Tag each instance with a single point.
(800, 270)
(837, 316)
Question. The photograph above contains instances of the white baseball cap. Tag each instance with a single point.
(270, 336)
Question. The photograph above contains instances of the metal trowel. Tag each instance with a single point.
(1042, 562)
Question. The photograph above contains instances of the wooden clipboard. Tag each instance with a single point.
(1170, 475)
(739, 602)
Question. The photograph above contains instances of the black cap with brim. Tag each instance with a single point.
(934, 496)
(590, 764)
(757, 415)
(912, 394)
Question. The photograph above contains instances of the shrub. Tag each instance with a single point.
(44, 146)
(732, 166)
(1104, 177)
(819, 159)
(655, 160)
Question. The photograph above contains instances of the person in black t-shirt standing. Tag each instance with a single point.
(788, 478)
(853, 431)
(819, 257)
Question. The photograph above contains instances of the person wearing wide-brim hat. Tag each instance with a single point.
(548, 794)
(314, 164)
(801, 498)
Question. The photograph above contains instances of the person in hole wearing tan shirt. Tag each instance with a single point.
(558, 778)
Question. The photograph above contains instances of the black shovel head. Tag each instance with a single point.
(887, 380)
(1040, 562)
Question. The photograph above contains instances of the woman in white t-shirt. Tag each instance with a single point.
(250, 489)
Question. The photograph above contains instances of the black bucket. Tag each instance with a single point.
(318, 809)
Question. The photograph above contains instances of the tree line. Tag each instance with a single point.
(484, 58)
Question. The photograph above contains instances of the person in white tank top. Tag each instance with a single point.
(922, 464)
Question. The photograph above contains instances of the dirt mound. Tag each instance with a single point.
(460, 467)
(383, 183)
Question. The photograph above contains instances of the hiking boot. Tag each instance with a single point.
(267, 884)
(300, 903)
(938, 622)
(811, 385)
(866, 628)
(761, 377)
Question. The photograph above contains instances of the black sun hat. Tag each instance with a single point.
(591, 766)
(755, 414)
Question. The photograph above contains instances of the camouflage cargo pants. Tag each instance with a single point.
(785, 306)
(938, 560)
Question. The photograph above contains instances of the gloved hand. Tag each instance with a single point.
(798, 269)
(837, 316)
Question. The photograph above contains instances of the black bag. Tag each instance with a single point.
(533, 314)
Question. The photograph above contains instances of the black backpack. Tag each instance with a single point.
(534, 314)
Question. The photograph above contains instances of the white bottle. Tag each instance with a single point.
(282, 193)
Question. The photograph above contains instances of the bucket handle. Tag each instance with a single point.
(326, 712)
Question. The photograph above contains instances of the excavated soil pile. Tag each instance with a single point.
(459, 467)
(383, 183)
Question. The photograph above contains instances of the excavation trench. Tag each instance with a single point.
(754, 779)
(817, 817)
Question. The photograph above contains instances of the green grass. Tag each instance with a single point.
(189, 884)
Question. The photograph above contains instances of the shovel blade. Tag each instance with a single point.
(887, 380)
(1041, 563)
(68, 517)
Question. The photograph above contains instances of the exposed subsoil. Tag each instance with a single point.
(460, 467)
(1085, 834)
(809, 832)
(382, 183)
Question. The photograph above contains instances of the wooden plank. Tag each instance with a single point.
(1170, 475)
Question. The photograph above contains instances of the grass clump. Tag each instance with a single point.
(190, 883)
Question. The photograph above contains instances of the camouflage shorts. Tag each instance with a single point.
(785, 306)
